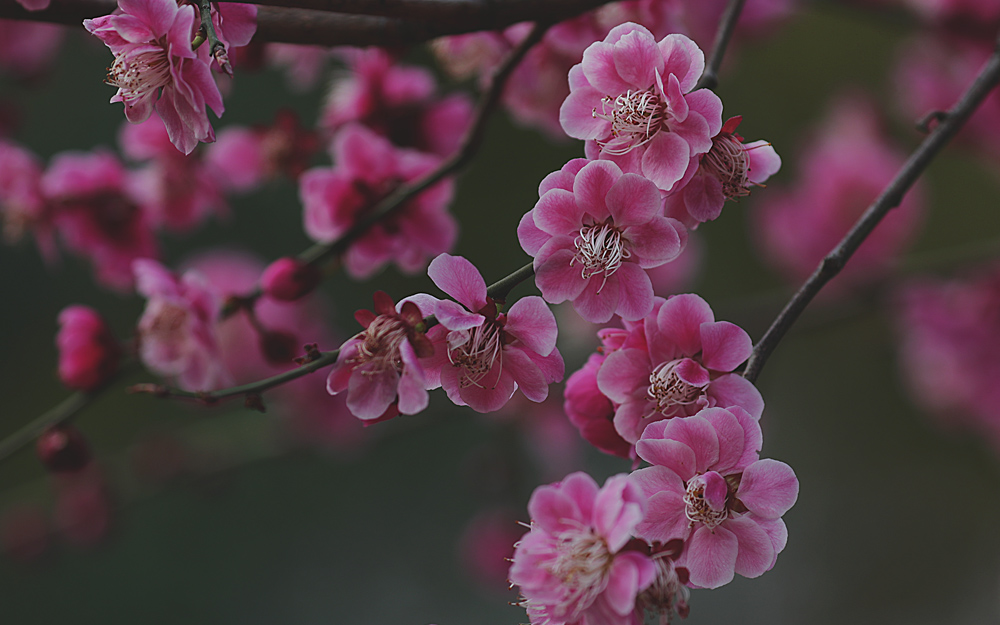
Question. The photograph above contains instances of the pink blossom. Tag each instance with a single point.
(303, 65)
(950, 348)
(592, 233)
(238, 159)
(368, 168)
(725, 172)
(379, 367)
(708, 488)
(22, 202)
(591, 412)
(88, 351)
(305, 408)
(28, 48)
(155, 67)
(684, 367)
(573, 566)
(176, 332)
(632, 97)
(397, 102)
(481, 357)
(96, 214)
(288, 279)
(840, 175)
(178, 191)
(486, 546)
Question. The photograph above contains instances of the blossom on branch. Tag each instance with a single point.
(88, 351)
(155, 67)
(482, 355)
(592, 233)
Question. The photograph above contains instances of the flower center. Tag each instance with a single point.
(668, 389)
(380, 344)
(728, 162)
(600, 249)
(139, 75)
(635, 116)
(168, 322)
(705, 500)
(582, 563)
(667, 594)
(481, 348)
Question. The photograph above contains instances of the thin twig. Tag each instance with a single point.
(890, 198)
(60, 413)
(500, 289)
(727, 24)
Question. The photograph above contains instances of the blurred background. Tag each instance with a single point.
(222, 515)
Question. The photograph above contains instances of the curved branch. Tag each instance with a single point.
(727, 24)
(831, 265)
(60, 413)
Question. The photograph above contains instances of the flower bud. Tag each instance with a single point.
(88, 351)
(63, 449)
(287, 279)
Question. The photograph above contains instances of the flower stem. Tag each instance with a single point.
(727, 24)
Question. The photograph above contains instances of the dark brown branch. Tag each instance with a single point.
(385, 23)
(889, 199)
(727, 24)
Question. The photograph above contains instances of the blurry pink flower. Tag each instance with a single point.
(22, 203)
(593, 233)
(397, 102)
(684, 367)
(708, 488)
(471, 54)
(481, 357)
(156, 67)
(34, 5)
(379, 367)
(24, 531)
(841, 174)
(238, 159)
(176, 332)
(592, 412)
(28, 48)
(288, 279)
(725, 172)
(235, 22)
(309, 413)
(368, 168)
(83, 512)
(950, 348)
(303, 65)
(88, 351)
(178, 191)
(96, 214)
(573, 566)
(630, 95)
(486, 547)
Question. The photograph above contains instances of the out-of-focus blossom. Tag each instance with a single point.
(840, 174)
(574, 566)
(155, 67)
(367, 169)
(303, 65)
(397, 102)
(63, 449)
(21, 200)
(592, 412)
(379, 367)
(88, 351)
(481, 355)
(725, 172)
(83, 512)
(309, 413)
(486, 546)
(592, 233)
(950, 348)
(28, 48)
(96, 214)
(287, 147)
(176, 333)
(707, 488)
(684, 366)
(288, 279)
(632, 98)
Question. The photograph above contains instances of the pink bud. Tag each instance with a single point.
(63, 449)
(88, 352)
(287, 279)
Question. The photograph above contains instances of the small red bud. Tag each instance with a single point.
(62, 449)
(279, 348)
(88, 351)
(287, 279)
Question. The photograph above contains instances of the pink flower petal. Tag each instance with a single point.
(683, 58)
(412, 387)
(732, 437)
(622, 373)
(636, 292)
(764, 161)
(526, 374)
(637, 58)
(529, 235)
(617, 509)
(591, 187)
(756, 555)
(735, 390)
(665, 160)
(768, 488)
(598, 301)
(710, 557)
(599, 68)
(656, 242)
(633, 201)
(698, 434)
(703, 198)
(557, 212)
(665, 518)
(460, 279)
(724, 345)
(533, 323)
(557, 279)
(624, 581)
(576, 115)
(454, 316)
(369, 393)
(679, 321)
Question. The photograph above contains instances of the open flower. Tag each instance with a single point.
(481, 355)
(708, 488)
(155, 67)
(379, 367)
(684, 367)
(593, 232)
(573, 566)
(632, 96)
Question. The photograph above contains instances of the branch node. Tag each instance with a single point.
(253, 401)
(148, 388)
(928, 122)
(312, 354)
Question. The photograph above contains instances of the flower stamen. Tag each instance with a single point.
(635, 116)
(600, 249)
(668, 389)
(140, 74)
(477, 354)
